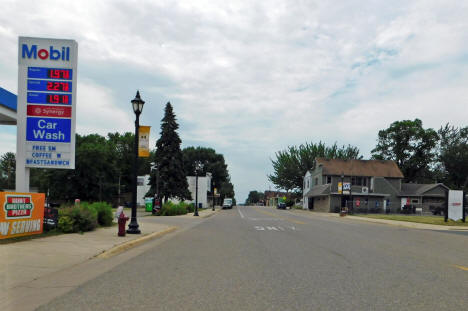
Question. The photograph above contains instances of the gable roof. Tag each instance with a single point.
(418, 189)
(378, 168)
(319, 190)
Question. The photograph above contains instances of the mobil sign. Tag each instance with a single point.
(47, 102)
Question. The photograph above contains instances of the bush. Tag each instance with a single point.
(104, 213)
(171, 209)
(297, 207)
(289, 203)
(65, 224)
(83, 218)
(190, 207)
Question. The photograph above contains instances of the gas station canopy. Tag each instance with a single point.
(8, 104)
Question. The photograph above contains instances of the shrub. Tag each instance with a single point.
(289, 202)
(171, 209)
(83, 217)
(65, 224)
(190, 207)
(104, 213)
(297, 207)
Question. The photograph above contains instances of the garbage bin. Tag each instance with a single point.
(148, 204)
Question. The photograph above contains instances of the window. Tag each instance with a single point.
(307, 183)
(364, 181)
(316, 181)
(359, 181)
(328, 179)
(140, 181)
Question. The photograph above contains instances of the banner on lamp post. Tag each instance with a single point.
(143, 141)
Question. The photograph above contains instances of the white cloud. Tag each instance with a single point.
(97, 111)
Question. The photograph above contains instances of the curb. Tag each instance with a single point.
(209, 215)
(130, 244)
(408, 224)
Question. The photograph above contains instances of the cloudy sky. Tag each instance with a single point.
(249, 78)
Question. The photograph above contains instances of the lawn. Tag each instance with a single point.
(433, 220)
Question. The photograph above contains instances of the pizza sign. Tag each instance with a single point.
(21, 214)
(18, 207)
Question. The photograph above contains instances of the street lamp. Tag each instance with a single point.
(198, 168)
(137, 104)
(342, 190)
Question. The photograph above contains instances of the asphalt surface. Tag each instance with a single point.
(256, 258)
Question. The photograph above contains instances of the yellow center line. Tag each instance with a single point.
(283, 218)
(461, 267)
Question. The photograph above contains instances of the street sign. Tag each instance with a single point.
(47, 73)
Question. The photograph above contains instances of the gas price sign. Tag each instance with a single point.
(47, 102)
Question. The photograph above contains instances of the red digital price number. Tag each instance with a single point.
(58, 86)
(58, 74)
(57, 99)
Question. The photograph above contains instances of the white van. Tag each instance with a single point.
(227, 203)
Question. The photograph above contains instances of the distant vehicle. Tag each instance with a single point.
(281, 205)
(227, 203)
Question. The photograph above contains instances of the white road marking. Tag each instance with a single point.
(240, 213)
(273, 228)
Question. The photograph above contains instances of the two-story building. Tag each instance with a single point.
(375, 185)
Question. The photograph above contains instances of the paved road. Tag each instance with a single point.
(256, 258)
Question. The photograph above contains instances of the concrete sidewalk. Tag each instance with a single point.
(27, 265)
(406, 224)
(28, 260)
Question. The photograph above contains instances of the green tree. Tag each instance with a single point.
(254, 197)
(411, 146)
(169, 160)
(291, 164)
(453, 156)
(212, 163)
(8, 171)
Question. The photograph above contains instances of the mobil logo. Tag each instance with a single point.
(52, 53)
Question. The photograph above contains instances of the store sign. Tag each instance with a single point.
(455, 204)
(21, 214)
(47, 75)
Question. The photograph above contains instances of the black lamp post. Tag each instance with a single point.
(137, 104)
(342, 190)
(198, 167)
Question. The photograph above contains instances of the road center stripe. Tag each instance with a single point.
(461, 267)
(283, 218)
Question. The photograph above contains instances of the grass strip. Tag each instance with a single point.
(432, 220)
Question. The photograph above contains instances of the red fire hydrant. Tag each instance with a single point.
(122, 220)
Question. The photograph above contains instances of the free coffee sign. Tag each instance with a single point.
(21, 214)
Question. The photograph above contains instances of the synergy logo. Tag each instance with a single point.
(18, 206)
(52, 53)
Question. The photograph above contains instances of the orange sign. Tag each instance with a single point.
(21, 214)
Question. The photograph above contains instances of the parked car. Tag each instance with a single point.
(281, 205)
(227, 203)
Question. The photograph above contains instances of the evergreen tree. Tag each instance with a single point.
(169, 161)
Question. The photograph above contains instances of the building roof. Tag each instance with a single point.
(318, 190)
(8, 104)
(411, 189)
(7, 99)
(378, 168)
